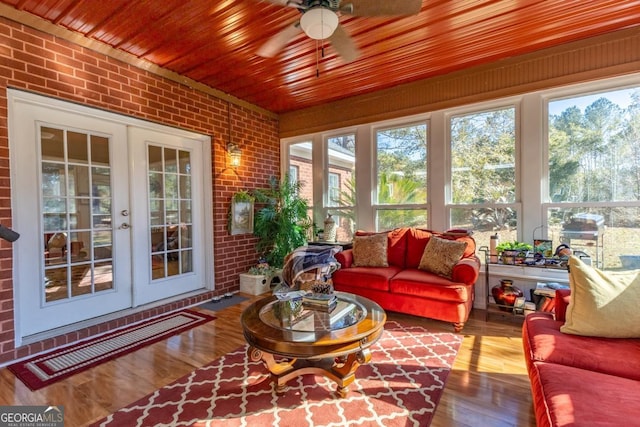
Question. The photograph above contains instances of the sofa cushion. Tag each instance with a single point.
(428, 285)
(370, 251)
(417, 240)
(466, 271)
(568, 396)
(543, 341)
(366, 277)
(602, 304)
(396, 245)
(441, 255)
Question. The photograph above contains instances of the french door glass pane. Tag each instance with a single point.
(169, 211)
(76, 213)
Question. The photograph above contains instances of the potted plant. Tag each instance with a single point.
(259, 278)
(281, 224)
(511, 252)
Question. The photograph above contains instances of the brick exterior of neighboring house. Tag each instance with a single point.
(42, 63)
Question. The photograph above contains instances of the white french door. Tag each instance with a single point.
(110, 214)
(167, 179)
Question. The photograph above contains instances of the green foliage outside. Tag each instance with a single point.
(402, 176)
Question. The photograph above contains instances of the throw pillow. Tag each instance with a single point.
(441, 255)
(370, 251)
(602, 304)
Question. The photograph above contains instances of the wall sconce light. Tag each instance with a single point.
(235, 154)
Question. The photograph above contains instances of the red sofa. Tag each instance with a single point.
(579, 380)
(403, 288)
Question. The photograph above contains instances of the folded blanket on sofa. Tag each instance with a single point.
(308, 258)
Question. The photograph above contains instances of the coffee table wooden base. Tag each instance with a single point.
(341, 370)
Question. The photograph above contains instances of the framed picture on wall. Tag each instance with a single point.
(241, 214)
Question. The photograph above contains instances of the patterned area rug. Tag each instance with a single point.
(401, 386)
(51, 367)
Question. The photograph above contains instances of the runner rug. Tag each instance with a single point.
(45, 369)
(401, 386)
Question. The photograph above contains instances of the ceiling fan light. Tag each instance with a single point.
(319, 23)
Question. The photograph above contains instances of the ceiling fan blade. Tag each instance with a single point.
(275, 44)
(381, 8)
(292, 3)
(344, 45)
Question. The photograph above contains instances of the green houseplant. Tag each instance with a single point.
(282, 221)
(511, 251)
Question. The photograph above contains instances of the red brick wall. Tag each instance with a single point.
(51, 66)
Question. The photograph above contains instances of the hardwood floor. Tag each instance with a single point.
(488, 385)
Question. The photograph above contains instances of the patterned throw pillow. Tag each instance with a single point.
(441, 255)
(370, 251)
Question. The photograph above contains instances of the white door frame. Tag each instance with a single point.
(14, 97)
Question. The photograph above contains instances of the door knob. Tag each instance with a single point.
(124, 212)
(124, 226)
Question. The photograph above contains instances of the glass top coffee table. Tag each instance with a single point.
(293, 340)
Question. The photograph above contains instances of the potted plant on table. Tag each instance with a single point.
(282, 223)
(512, 252)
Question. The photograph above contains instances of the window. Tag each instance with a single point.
(484, 191)
(498, 172)
(301, 168)
(334, 189)
(594, 176)
(401, 177)
(340, 195)
(294, 171)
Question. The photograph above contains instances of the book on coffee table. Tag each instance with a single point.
(325, 302)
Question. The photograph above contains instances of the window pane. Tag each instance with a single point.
(608, 235)
(77, 147)
(402, 165)
(483, 157)
(388, 219)
(341, 173)
(485, 222)
(52, 144)
(594, 149)
(300, 169)
(345, 224)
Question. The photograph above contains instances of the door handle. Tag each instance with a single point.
(124, 226)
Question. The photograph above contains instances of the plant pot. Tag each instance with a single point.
(254, 284)
(509, 256)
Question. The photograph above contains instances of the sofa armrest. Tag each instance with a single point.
(345, 258)
(466, 270)
(563, 296)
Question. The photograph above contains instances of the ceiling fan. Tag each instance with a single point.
(320, 21)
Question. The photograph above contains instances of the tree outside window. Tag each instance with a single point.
(401, 186)
(483, 174)
(594, 176)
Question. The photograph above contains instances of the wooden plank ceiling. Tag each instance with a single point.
(215, 41)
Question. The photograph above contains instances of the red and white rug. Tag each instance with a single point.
(401, 386)
(45, 369)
